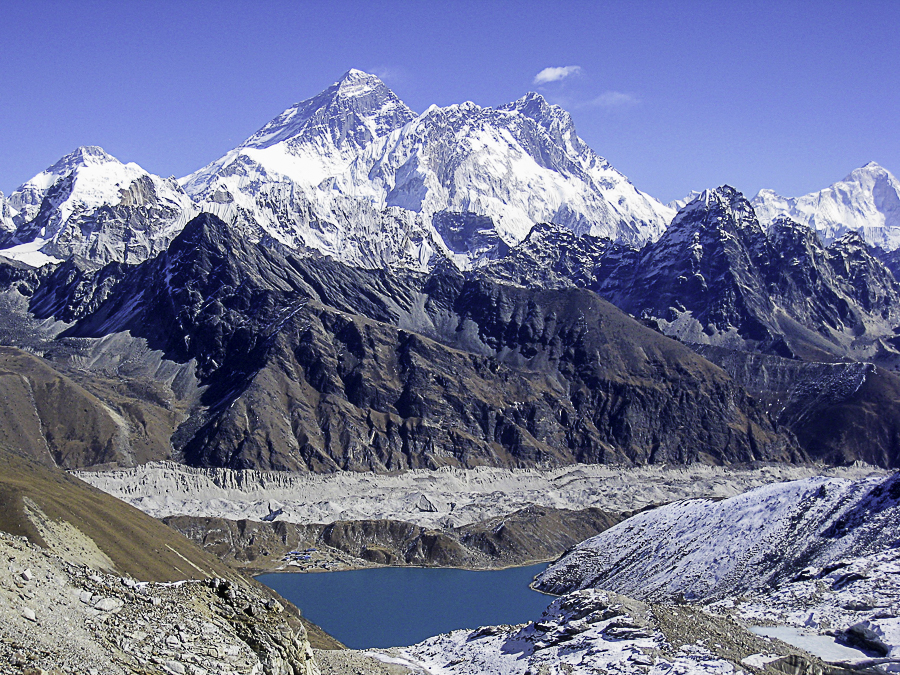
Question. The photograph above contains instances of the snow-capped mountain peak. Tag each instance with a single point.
(342, 170)
(83, 203)
(354, 105)
(866, 201)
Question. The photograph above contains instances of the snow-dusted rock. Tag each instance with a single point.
(700, 549)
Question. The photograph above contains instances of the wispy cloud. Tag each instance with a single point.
(555, 74)
(614, 99)
(387, 73)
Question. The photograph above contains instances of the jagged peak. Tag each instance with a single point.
(541, 231)
(536, 107)
(355, 83)
(851, 240)
(711, 202)
(85, 155)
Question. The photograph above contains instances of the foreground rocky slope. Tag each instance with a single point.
(705, 550)
(594, 631)
(60, 616)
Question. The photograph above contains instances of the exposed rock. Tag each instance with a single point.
(176, 628)
(717, 277)
(313, 366)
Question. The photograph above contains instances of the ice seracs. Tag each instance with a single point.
(355, 174)
(91, 205)
(867, 201)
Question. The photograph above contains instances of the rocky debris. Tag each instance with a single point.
(853, 599)
(594, 631)
(92, 622)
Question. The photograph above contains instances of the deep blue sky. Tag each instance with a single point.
(677, 95)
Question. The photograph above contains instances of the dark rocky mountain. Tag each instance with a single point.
(716, 277)
(307, 364)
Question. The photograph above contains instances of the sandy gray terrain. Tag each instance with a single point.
(439, 499)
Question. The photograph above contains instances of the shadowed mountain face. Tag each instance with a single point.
(716, 277)
(307, 364)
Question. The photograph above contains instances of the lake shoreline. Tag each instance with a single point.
(390, 606)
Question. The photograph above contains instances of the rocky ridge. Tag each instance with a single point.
(717, 277)
(307, 364)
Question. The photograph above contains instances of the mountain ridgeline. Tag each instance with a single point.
(361, 287)
(305, 363)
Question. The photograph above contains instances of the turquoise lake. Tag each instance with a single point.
(399, 606)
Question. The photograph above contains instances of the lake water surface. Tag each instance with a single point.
(399, 606)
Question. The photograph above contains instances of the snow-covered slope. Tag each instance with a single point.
(867, 201)
(701, 549)
(92, 205)
(354, 173)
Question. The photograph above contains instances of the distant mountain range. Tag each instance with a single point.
(361, 287)
(355, 174)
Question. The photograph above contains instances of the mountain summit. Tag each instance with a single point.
(92, 205)
(355, 174)
(867, 201)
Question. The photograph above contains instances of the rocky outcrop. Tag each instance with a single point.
(599, 631)
(528, 535)
(60, 616)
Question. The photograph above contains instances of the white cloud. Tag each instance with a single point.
(614, 99)
(555, 74)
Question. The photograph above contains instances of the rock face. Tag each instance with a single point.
(830, 407)
(716, 277)
(314, 366)
(355, 174)
(866, 202)
(88, 620)
(91, 205)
